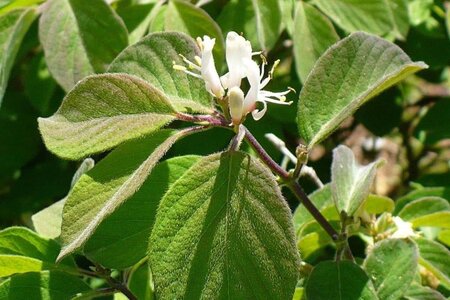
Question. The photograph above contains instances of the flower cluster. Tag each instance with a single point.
(240, 65)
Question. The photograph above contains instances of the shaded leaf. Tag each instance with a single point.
(430, 126)
(79, 39)
(419, 292)
(349, 73)
(392, 265)
(224, 231)
(152, 59)
(120, 240)
(341, 280)
(99, 192)
(13, 27)
(139, 282)
(137, 18)
(103, 111)
(313, 34)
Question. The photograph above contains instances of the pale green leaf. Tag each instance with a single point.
(184, 17)
(444, 237)
(9, 5)
(343, 280)
(311, 242)
(350, 182)
(99, 192)
(47, 222)
(121, 239)
(400, 203)
(355, 15)
(22, 250)
(45, 285)
(103, 111)
(420, 11)
(13, 27)
(422, 207)
(375, 204)
(420, 292)
(259, 20)
(223, 230)
(440, 219)
(398, 14)
(79, 39)
(313, 34)
(392, 265)
(349, 73)
(152, 60)
(436, 258)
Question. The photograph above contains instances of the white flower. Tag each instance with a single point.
(238, 49)
(205, 64)
(257, 94)
(404, 229)
(236, 104)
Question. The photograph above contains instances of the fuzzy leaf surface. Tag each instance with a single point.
(79, 39)
(347, 75)
(224, 231)
(436, 258)
(152, 60)
(392, 265)
(101, 191)
(103, 111)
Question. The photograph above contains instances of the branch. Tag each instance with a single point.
(291, 183)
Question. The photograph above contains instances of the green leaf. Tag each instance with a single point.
(350, 182)
(140, 282)
(349, 74)
(103, 111)
(430, 126)
(392, 265)
(13, 27)
(313, 34)
(137, 18)
(311, 242)
(243, 15)
(99, 192)
(22, 250)
(122, 246)
(372, 16)
(47, 222)
(444, 237)
(152, 60)
(398, 14)
(375, 204)
(422, 207)
(79, 39)
(419, 292)
(184, 17)
(321, 198)
(420, 11)
(343, 280)
(45, 285)
(223, 230)
(436, 258)
(443, 192)
(9, 5)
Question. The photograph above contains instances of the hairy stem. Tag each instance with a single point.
(291, 183)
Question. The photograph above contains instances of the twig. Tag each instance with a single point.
(114, 283)
(291, 183)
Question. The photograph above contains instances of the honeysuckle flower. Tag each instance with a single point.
(236, 104)
(404, 229)
(205, 65)
(256, 93)
(238, 49)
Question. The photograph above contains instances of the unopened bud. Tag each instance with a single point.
(236, 104)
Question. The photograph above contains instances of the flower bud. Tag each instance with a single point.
(236, 104)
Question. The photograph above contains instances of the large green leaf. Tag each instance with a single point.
(392, 265)
(436, 258)
(420, 292)
(223, 230)
(140, 282)
(353, 15)
(313, 34)
(426, 211)
(152, 60)
(184, 17)
(443, 192)
(103, 111)
(45, 285)
(120, 240)
(22, 251)
(349, 73)
(398, 14)
(259, 20)
(343, 280)
(79, 39)
(13, 27)
(350, 182)
(99, 192)
(137, 17)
